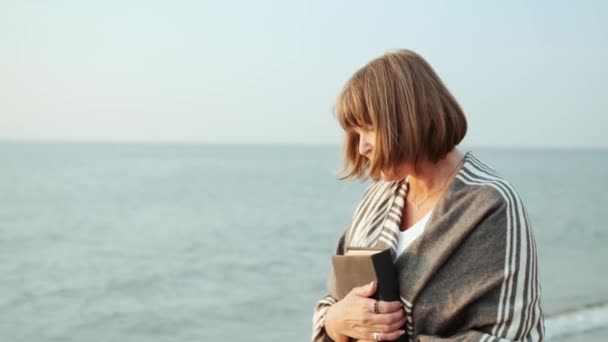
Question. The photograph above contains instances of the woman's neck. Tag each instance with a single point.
(434, 177)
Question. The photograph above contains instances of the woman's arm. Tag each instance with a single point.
(319, 333)
(501, 301)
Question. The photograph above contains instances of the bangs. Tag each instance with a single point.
(351, 109)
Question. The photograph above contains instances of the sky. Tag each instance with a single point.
(527, 74)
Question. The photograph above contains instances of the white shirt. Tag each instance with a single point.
(408, 236)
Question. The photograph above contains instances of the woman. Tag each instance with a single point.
(464, 252)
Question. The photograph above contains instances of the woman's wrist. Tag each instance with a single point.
(330, 327)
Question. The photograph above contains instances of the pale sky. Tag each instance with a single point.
(527, 73)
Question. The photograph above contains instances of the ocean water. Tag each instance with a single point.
(102, 242)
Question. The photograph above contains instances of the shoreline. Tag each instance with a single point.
(589, 320)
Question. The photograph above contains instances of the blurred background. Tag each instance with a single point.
(169, 169)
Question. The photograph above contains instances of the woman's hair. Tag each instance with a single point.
(400, 97)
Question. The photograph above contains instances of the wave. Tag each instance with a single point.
(576, 322)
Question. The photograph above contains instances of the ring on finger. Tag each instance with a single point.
(376, 309)
(377, 336)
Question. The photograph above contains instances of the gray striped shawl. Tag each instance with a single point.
(471, 276)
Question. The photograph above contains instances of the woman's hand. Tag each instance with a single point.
(354, 317)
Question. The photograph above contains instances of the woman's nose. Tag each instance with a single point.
(364, 147)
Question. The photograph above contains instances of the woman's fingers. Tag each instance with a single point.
(366, 290)
(360, 316)
(383, 336)
(383, 307)
(387, 318)
(391, 336)
(389, 327)
(388, 312)
(388, 307)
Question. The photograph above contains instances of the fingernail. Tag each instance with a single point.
(401, 332)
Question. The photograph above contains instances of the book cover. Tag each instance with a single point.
(360, 266)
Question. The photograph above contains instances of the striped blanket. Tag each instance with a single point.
(473, 273)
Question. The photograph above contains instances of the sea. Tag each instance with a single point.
(200, 242)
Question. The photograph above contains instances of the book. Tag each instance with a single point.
(360, 266)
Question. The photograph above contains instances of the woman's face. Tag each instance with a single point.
(367, 142)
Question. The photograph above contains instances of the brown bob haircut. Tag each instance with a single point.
(401, 98)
